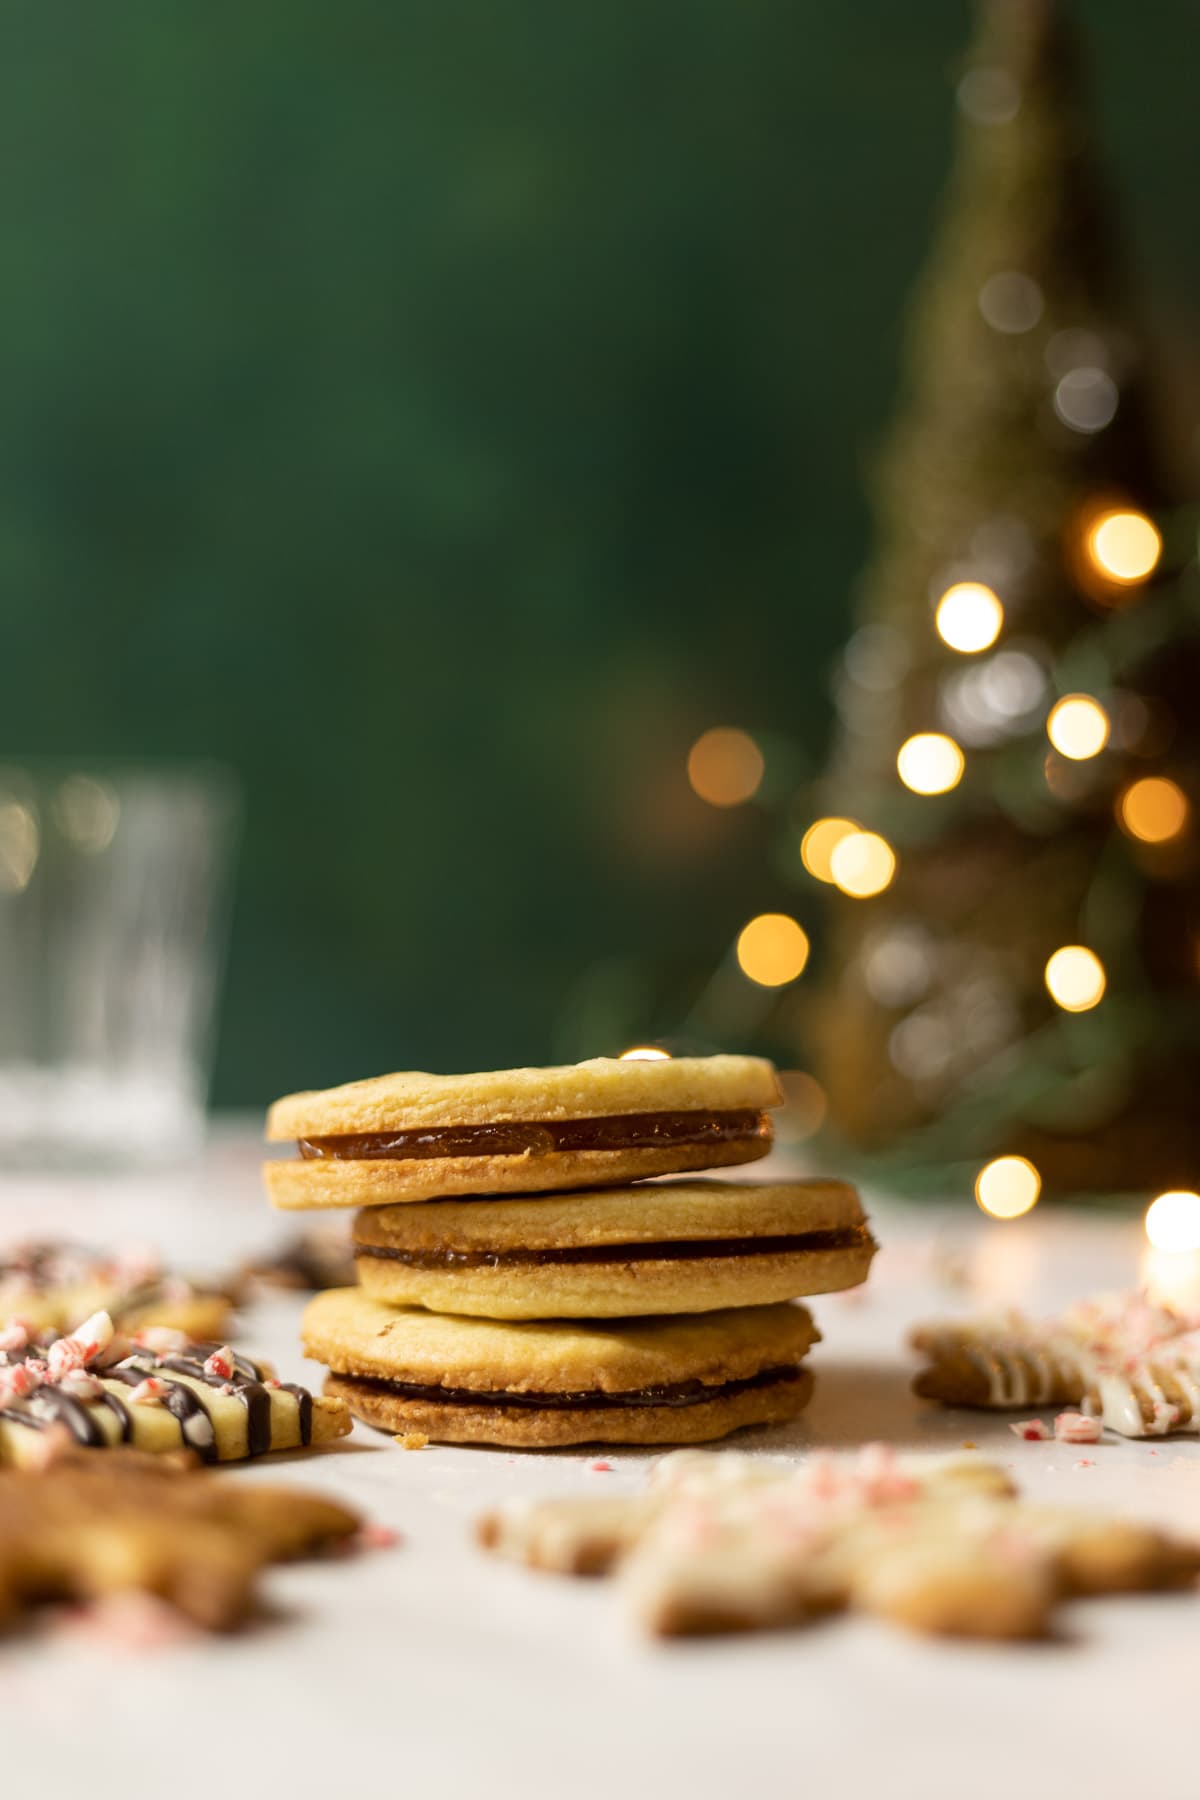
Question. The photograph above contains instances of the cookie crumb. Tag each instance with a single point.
(969, 1444)
(412, 1440)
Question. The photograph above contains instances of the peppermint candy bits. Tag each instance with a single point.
(1077, 1428)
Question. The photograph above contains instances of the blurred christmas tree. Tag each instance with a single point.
(1014, 970)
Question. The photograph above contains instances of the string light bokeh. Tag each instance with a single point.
(862, 864)
(1011, 792)
(1078, 727)
(969, 617)
(819, 843)
(772, 949)
(1075, 978)
(725, 766)
(930, 763)
(1125, 546)
(1008, 1187)
(1154, 809)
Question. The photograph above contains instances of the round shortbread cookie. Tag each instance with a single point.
(670, 1247)
(658, 1380)
(604, 1086)
(299, 1185)
(531, 1428)
(413, 1137)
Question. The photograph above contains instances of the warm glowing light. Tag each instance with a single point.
(1125, 546)
(1153, 809)
(1173, 1221)
(819, 843)
(1008, 1187)
(772, 949)
(725, 766)
(969, 617)
(862, 864)
(1078, 727)
(645, 1053)
(930, 763)
(1076, 979)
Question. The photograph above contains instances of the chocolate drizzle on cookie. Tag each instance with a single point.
(853, 1237)
(184, 1376)
(617, 1133)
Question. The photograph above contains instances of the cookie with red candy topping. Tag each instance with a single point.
(50, 1285)
(1131, 1363)
(157, 1391)
(731, 1543)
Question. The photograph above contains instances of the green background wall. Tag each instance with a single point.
(441, 413)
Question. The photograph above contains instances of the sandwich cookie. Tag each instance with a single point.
(592, 1124)
(535, 1386)
(662, 1247)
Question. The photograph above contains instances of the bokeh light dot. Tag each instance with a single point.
(772, 949)
(1007, 1187)
(1125, 546)
(1075, 978)
(1011, 302)
(1154, 809)
(862, 864)
(725, 766)
(645, 1053)
(1173, 1221)
(930, 763)
(1078, 727)
(969, 617)
(1086, 399)
(805, 1105)
(819, 843)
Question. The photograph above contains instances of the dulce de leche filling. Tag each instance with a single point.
(677, 1393)
(627, 1131)
(852, 1237)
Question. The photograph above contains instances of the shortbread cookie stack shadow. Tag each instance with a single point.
(522, 1283)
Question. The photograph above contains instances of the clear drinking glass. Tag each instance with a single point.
(114, 888)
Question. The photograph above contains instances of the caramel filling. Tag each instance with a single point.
(681, 1250)
(631, 1131)
(678, 1393)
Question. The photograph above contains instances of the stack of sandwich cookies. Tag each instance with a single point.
(540, 1291)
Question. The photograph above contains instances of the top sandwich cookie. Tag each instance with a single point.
(665, 1247)
(407, 1137)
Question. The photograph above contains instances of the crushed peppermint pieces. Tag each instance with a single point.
(1077, 1428)
(600, 1467)
(1032, 1430)
(151, 1392)
(220, 1363)
(1085, 1462)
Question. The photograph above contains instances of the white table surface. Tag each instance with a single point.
(432, 1668)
